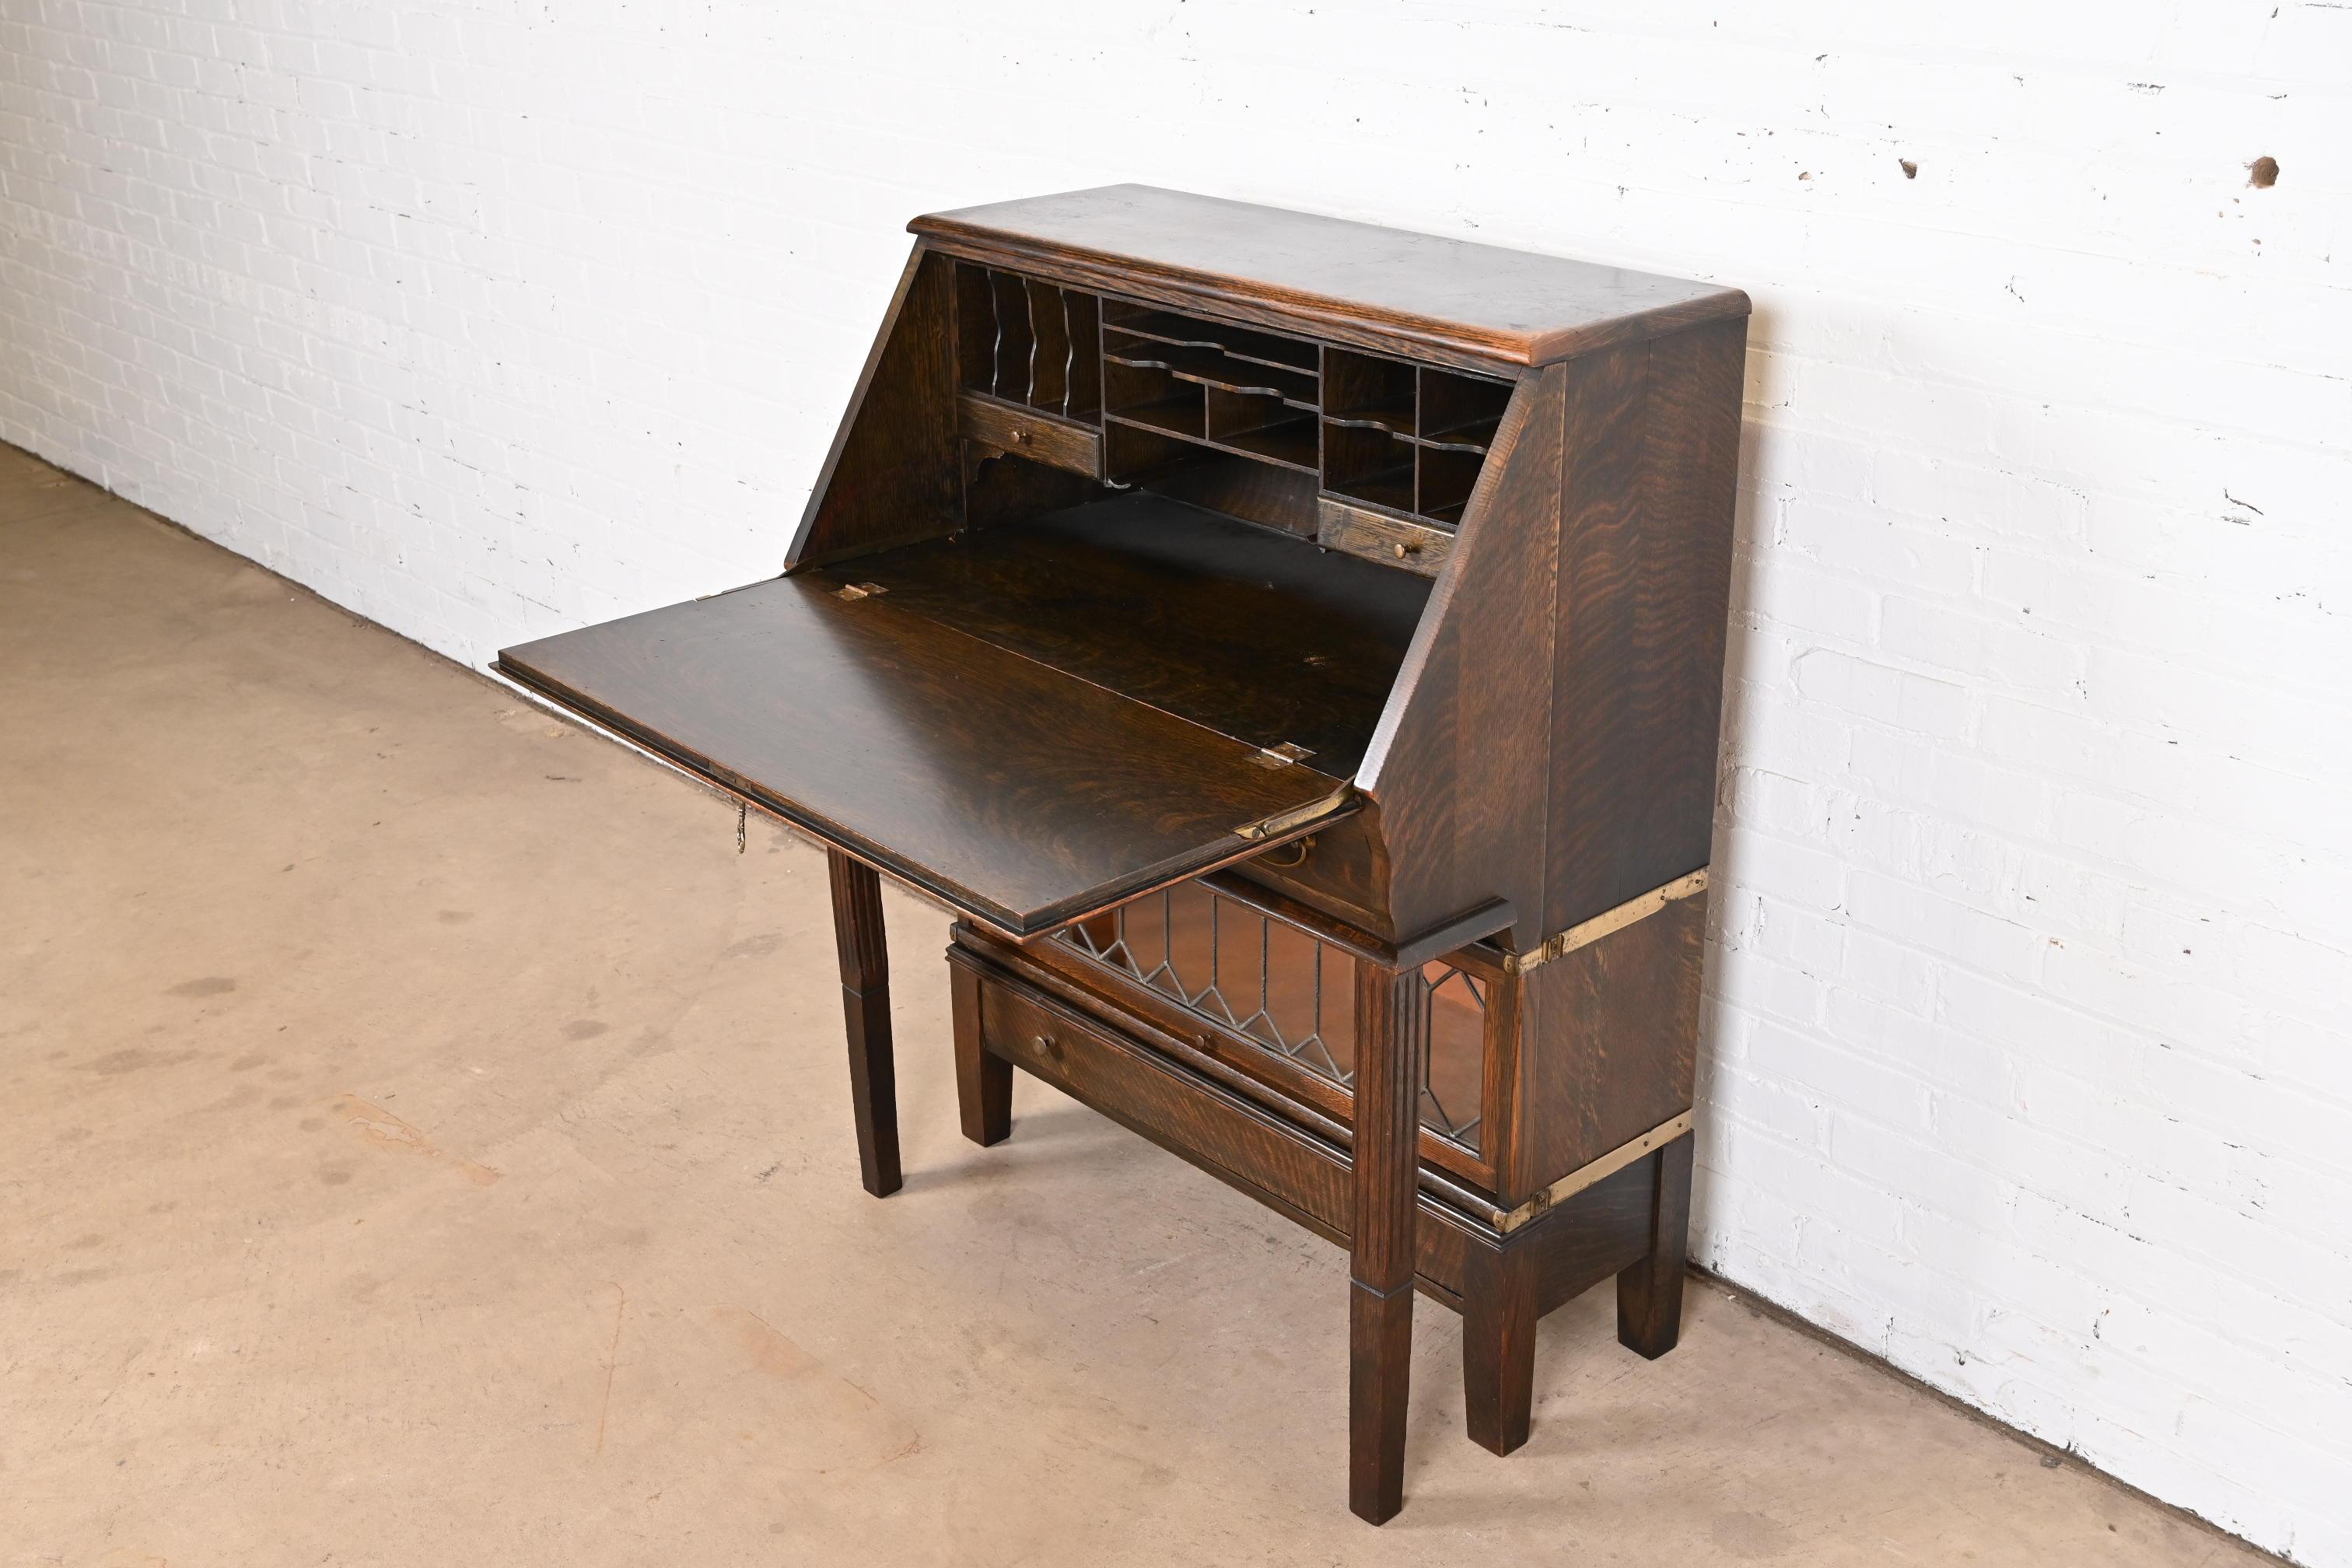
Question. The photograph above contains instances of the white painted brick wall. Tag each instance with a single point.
(2028, 1062)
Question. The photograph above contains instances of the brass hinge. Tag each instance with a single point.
(1586, 933)
(1281, 757)
(856, 591)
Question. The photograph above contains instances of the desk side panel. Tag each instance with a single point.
(1608, 1046)
(890, 477)
(1457, 769)
(1650, 476)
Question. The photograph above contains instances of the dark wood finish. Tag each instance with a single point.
(865, 954)
(1051, 353)
(1271, 1149)
(1457, 771)
(1283, 1151)
(1391, 1055)
(1644, 584)
(1293, 1158)
(1227, 626)
(1010, 488)
(1650, 1293)
(1609, 1037)
(1419, 295)
(1600, 1231)
(1047, 438)
(1490, 917)
(1377, 536)
(1128, 323)
(1020, 793)
(1372, 585)
(1498, 1343)
(890, 475)
(1458, 413)
(1188, 394)
(1262, 493)
(1501, 1287)
(1012, 361)
(1450, 937)
(1084, 314)
(983, 1079)
(1450, 1173)
(1341, 870)
(975, 327)
(1410, 438)
(1220, 1130)
(1369, 392)
(1502, 1127)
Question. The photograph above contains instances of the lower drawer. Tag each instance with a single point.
(1280, 1164)
(1269, 997)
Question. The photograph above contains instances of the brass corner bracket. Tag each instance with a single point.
(1592, 1171)
(1609, 922)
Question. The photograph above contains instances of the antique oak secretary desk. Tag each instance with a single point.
(1295, 649)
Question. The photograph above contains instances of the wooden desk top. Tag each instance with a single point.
(1020, 795)
(1251, 635)
(1515, 307)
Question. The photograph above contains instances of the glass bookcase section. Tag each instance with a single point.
(1288, 994)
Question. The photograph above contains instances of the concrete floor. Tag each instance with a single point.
(423, 1138)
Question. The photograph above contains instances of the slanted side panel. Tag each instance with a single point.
(1457, 770)
(891, 476)
(1644, 576)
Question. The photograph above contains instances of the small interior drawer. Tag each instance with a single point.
(1025, 432)
(1380, 536)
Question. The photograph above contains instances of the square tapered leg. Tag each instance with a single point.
(866, 1010)
(1650, 1292)
(1391, 1053)
(1498, 1345)
(983, 1079)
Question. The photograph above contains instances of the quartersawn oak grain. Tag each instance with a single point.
(1020, 793)
(1232, 626)
(890, 474)
(1412, 293)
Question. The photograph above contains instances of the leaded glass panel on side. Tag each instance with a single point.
(1288, 993)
